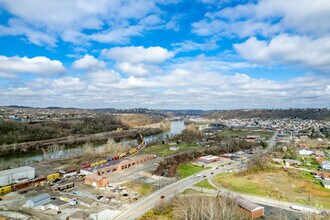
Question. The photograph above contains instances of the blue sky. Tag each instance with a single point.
(174, 54)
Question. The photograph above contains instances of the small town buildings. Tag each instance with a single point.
(174, 148)
(15, 175)
(326, 184)
(253, 210)
(277, 160)
(38, 200)
(96, 180)
(208, 159)
(325, 165)
(290, 162)
(305, 152)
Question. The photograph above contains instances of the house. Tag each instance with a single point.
(174, 148)
(96, 180)
(326, 184)
(319, 153)
(325, 165)
(277, 160)
(289, 162)
(305, 152)
(38, 200)
(253, 210)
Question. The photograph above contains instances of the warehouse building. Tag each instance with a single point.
(96, 180)
(116, 165)
(208, 159)
(38, 200)
(15, 175)
(253, 210)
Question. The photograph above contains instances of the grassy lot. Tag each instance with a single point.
(164, 149)
(162, 211)
(310, 159)
(242, 134)
(186, 170)
(142, 188)
(191, 191)
(291, 185)
(205, 184)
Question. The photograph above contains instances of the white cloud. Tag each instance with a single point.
(35, 65)
(138, 54)
(133, 69)
(89, 62)
(43, 22)
(104, 78)
(267, 18)
(68, 82)
(314, 53)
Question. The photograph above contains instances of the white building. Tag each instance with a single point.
(305, 152)
(10, 176)
(174, 148)
(325, 165)
(326, 184)
(38, 200)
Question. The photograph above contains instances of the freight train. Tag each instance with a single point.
(72, 172)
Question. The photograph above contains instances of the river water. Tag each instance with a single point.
(28, 158)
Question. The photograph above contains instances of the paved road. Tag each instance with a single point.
(143, 205)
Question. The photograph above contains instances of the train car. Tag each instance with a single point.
(116, 157)
(5, 190)
(64, 186)
(110, 159)
(95, 164)
(87, 166)
(74, 173)
(71, 171)
(22, 185)
(53, 176)
(122, 155)
(132, 151)
(38, 181)
(102, 161)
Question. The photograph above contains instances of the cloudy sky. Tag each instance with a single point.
(169, 54)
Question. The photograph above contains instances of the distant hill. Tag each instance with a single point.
(314, 113)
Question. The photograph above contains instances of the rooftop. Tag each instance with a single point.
(16, 170)
(39, 197)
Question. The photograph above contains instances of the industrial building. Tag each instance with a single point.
(116, 165)
(38, 200)
(208, 159)
(16, 175)
(253, 210)
(96, 180)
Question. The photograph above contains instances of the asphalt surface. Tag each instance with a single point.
(143, 205)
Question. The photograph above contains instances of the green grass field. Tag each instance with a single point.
(164, 149)
(186, 170)
(204, 184)
(142, 188)
(291, 185)
(244, 133)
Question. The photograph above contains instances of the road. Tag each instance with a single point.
(139, 208)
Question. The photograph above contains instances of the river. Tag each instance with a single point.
(30, 157)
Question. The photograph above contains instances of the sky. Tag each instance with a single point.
(165, 54)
